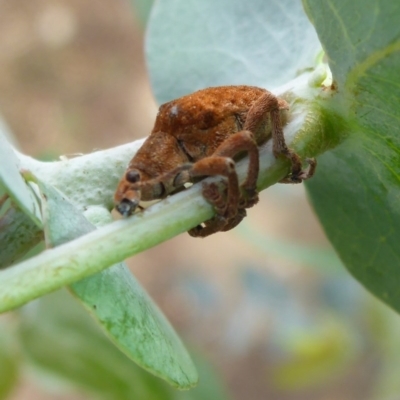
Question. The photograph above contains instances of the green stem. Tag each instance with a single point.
(113, 243)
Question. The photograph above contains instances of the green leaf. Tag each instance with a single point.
(384, 330)
(59, 339)
(12, 183)
(9, 362)
(116, 300)
(136, 325)
(356, 36)
(195, 44)
(18, 234)
(356, 190)
(209, 386)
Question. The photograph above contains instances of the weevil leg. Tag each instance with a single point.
(256, 117)
(217, 224)
(243, 141)
(229, 203)
(225, 201)
(233, 222)
(304, 174)
(209, 227)
(224, 166)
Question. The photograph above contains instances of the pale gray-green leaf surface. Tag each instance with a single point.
(116, 300)
(194, 44)
(12, 183)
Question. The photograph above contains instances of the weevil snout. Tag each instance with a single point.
(126, 207)
(126, 200)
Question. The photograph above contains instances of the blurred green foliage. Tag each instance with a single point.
(58, 339)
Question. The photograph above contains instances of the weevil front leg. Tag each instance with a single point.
(226, 206)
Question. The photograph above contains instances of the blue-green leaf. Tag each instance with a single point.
(59, 340)
(9, 362)
(194, 44)
(116, 300)
(12, 183)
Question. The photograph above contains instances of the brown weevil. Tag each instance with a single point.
(200, 135)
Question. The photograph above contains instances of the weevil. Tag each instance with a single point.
(203, 134)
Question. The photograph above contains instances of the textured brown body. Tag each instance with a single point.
(199, 135)
(192, 127)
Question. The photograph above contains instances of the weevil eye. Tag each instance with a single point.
(132, 176)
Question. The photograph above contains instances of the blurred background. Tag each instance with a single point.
(267, 309)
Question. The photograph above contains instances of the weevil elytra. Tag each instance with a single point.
(201, 135)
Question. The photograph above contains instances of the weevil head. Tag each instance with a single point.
(127, 195)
